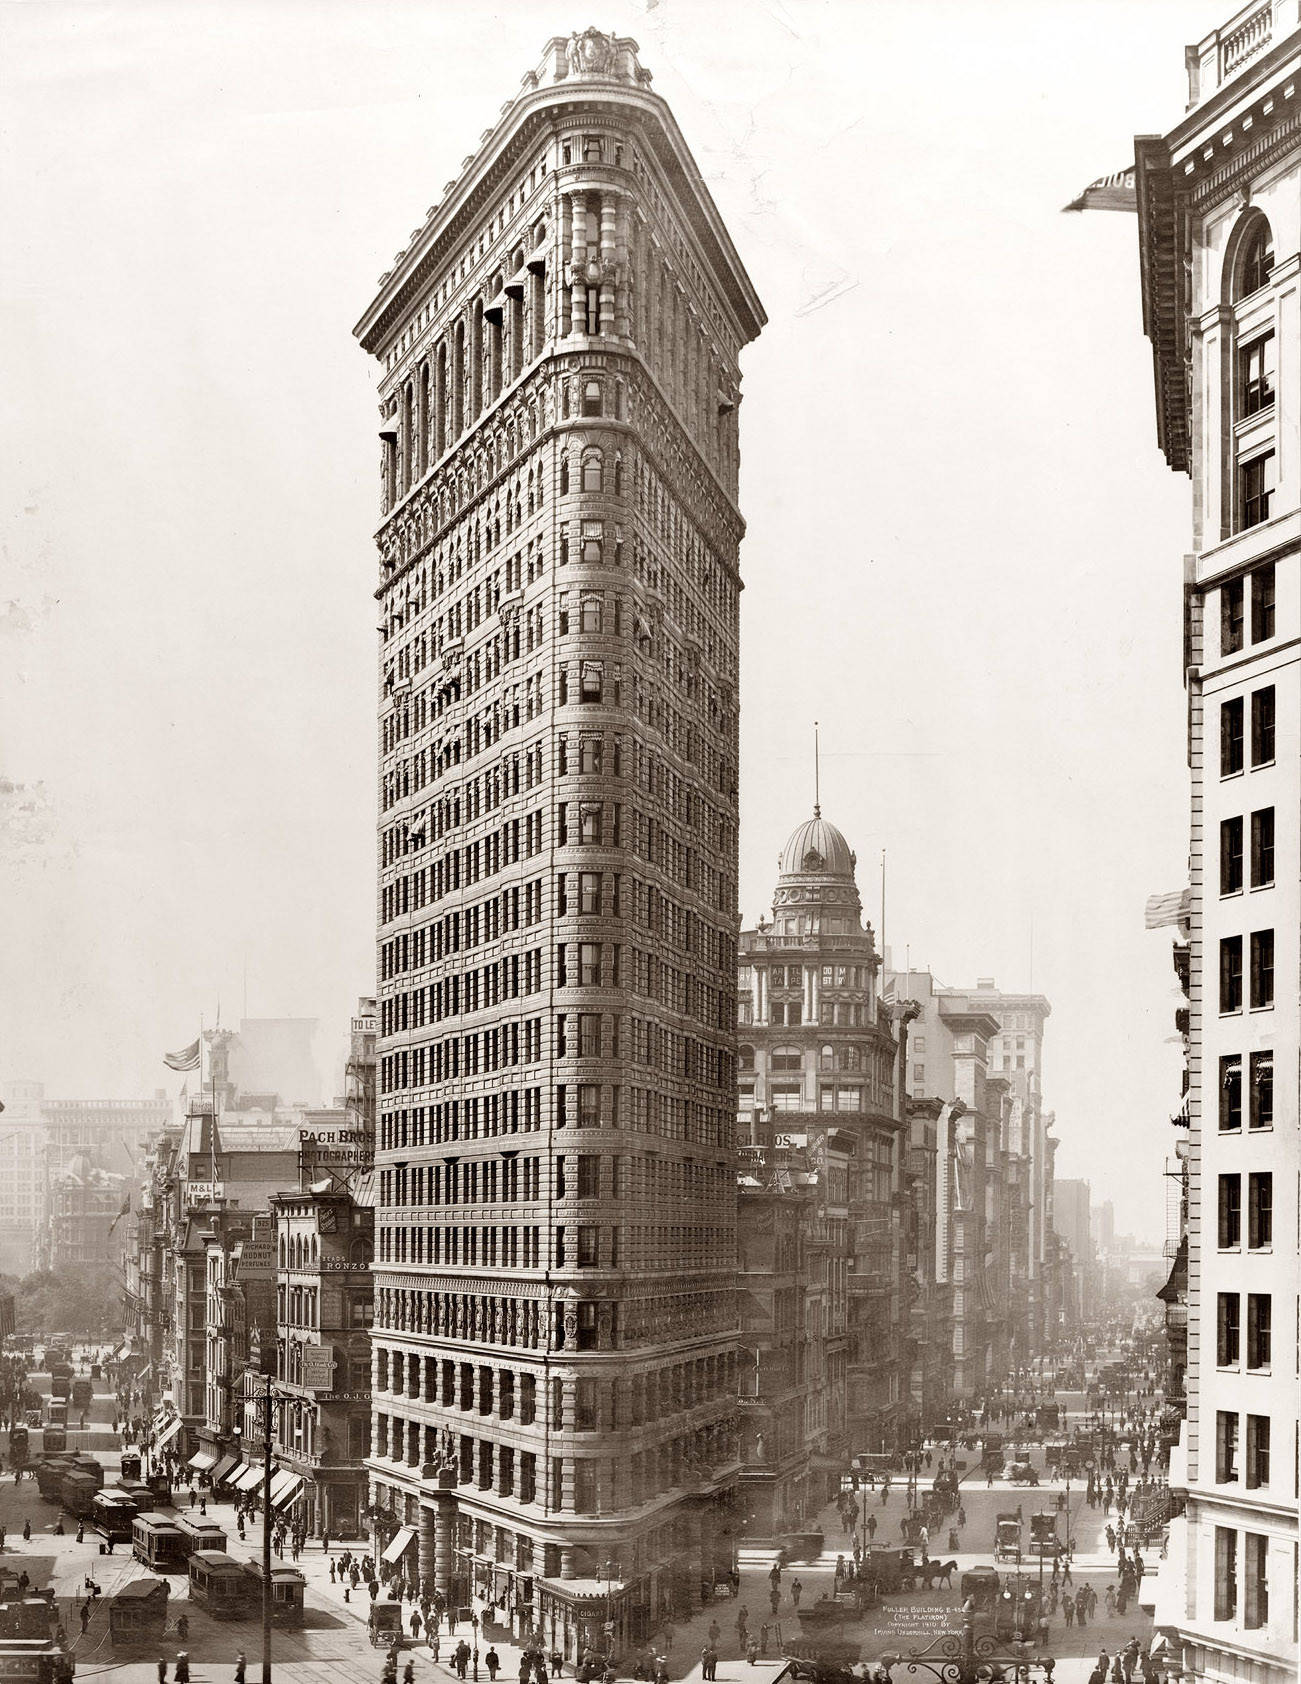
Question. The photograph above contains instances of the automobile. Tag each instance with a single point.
(1007, 1538)
(804, 1547)
(385, 1625)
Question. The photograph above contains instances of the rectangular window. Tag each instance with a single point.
(1231, 616)
(1226, 1447)
(588, 1245)
(1228, 1312)
(1256, 376)
(1262, 604)
(785, 1096)
(589, 1176)
(1260, 1209)
(589, 1034)
(589, 892)
(1261, 1101)
(585, 1487)
(1262, 968)
(1255, 487)
(589, 964)
(1230, 856)
(1230, 1212)
(1262, 726)
(1231, 737)
(1231, 974)
(1257, 1450)
(1260, 1332)
(1255, 1613)
(1262, 847)
(1231, 1092)
(1226, 1573)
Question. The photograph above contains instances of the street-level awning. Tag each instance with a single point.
(226, 1466)
(202, 1460)
(168, 1433)
(398, 1543)
(284, 1488)
(247, 1478)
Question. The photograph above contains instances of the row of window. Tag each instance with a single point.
(1228, 1330)
(669, 1114)
(1263, 719)
(1260, 1093)
(1261, 952)
(1232, 850)
(789, 1014)
(1260, 1211)
(1233, 597)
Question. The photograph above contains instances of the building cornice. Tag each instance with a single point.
(526, 120)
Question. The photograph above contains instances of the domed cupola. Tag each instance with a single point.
(816, 891)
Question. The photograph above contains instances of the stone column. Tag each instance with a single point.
(622, 304)
(578, 266)
(609, 206)
(444, 1542)
(426, 1545)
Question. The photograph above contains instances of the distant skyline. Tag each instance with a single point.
(963, 550)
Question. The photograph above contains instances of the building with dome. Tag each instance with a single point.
(820, 1177)
(86, 1204)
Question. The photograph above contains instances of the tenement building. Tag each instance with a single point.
(555, 1365)
(1219, 206)
(822, 1167)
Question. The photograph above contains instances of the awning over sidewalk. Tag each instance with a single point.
(247, 1478)
(398, 1543)
(202, 1460)
(168, 1433)
(284, 1488)
(224, 1468)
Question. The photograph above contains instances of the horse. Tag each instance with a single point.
(933, 1571)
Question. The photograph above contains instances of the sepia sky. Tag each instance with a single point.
(964, 549)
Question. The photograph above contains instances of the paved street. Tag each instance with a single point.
(334, 1641)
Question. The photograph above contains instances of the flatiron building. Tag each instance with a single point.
(555, 1369)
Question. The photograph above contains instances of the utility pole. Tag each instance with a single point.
(266, 1530)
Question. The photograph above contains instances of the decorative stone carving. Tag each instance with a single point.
(590, 54)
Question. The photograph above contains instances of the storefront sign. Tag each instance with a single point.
(318, 1367)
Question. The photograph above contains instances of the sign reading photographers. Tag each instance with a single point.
(318, 1367)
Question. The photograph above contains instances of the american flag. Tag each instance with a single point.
(186, 1059)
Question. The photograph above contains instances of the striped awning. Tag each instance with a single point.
(247, 1478)
(398, 1543)
(225, 1468)
(202, 1460)
(284, 1488)
(168, 1433)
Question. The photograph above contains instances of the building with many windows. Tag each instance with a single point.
(1219, 206)
(555, 1326)
(822, 1153)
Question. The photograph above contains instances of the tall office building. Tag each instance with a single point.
(555, 1326)
(1219, 205)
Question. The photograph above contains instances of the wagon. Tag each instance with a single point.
(804, 1547)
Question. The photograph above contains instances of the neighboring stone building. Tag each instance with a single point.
(820, 1128)
(23, 1177)
(1219, 206)
(86, 1207)
(1072, 1219)
(555, 1340)
(324, 1309)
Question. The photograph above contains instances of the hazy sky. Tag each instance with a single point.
(964, 549)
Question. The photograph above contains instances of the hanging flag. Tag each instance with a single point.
(186, 1059)
(125, 1211)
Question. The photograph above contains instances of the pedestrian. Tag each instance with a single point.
(162, 1670)
(556, 1663)
(797, 1591)
(461, 1657)
(708, 1662)
(27, 1531)
(763, 1639)
(409, 1671)
(415, 1625)
(742, 1621)
(1068, 1611)
(752, 1651)
(715, 1632)
(85, 1616)
(1081, 1606)
(871, 1526)
(331, 1569)
(492, 1660)
(241, 1665)
(774, 1599)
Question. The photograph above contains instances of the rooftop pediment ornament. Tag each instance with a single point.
(590, 54)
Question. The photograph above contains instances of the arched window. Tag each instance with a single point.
(787, 1058)
(1255, 262)
(827, 1058)
(564, 475)
(618, 476)
(592, 397)
(593, 472)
